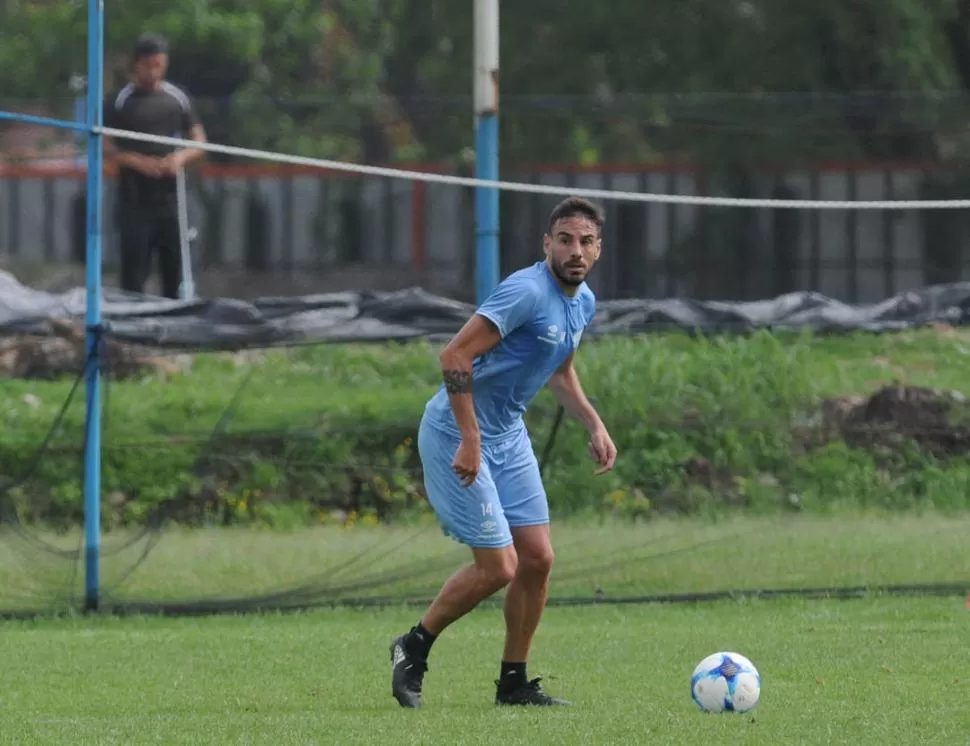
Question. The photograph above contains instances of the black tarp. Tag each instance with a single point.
(226, 323)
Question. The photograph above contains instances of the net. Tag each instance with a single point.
(259, 442)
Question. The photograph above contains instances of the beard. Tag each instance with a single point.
(567, 275)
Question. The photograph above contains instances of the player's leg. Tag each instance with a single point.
(523, 497)
(169, 250)
(135, 249)
(473, 516)
(490, 571)
(525, 599)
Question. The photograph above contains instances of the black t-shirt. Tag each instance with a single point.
(167, 112)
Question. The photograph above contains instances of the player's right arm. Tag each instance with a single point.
(477, 336)
(506, 309)
(129, 159)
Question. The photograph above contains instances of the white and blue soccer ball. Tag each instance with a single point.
(725, 682)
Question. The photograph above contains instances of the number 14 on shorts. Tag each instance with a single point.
(489, 528)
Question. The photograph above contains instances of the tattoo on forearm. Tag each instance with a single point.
(458, 381)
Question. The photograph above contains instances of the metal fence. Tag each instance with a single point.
(264, 229)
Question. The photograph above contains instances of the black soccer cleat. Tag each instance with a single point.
(529, 693)
(407, 676)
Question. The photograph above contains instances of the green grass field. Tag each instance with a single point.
(850, 672)
(878, 669)
(875, 669)
(607, 559)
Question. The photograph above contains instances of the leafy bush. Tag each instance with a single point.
(327, 433)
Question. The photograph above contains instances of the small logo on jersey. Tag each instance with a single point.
(553, 336)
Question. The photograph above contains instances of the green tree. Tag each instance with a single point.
(720, 82)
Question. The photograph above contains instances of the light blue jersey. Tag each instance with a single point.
(540, 327)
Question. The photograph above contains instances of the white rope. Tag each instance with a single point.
(514, 186)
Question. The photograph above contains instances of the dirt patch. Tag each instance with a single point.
(938, 421)
(887, 423)
(62, 354)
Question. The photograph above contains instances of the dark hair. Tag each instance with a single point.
(577, 207)
(148, 45)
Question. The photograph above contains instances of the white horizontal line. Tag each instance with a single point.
(514, 186)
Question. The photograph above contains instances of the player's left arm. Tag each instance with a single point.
(568, 390)
(196, 134)
(194, 131)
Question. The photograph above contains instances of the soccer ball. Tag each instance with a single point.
(725, 682)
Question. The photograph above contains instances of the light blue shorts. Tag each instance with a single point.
(507, 493)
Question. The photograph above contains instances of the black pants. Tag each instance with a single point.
(147, 232)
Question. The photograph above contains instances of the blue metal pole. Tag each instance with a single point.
(62, 124)
(92, 449)
(486, 147)
(486, 207)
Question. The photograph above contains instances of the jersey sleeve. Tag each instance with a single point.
(511, 305)
(190, 117)
(113, 117)
(187, 116)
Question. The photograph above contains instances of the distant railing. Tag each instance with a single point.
(299, 222)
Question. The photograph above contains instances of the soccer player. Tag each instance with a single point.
(480, 471)
(147, 197)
